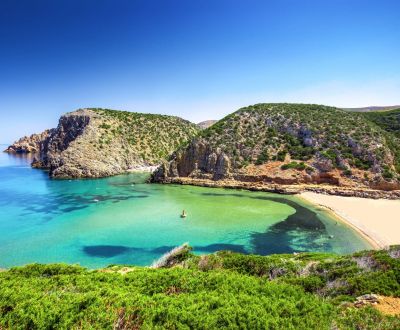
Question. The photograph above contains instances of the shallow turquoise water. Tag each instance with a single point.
(123, 220)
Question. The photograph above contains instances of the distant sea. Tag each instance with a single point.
(123, 220)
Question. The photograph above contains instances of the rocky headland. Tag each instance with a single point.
(91, 143)
(29, 144)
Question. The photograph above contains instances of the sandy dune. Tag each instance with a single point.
(377, 219)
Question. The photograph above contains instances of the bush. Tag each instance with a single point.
(281, 155)
(262, 158)
(294, 165)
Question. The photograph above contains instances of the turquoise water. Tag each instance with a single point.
(122, 220)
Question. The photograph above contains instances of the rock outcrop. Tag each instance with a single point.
(92, 143)
(197, 160)
(29, 144)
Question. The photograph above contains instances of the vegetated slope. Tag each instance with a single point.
(101, 142)
(290, 143)
(373, 108)
(388, 120)
(223, 290)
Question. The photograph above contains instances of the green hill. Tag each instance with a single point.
(223, 290)
(103, 142)
(292, 143)
(373, 108)
(154, 137)
(388, 120)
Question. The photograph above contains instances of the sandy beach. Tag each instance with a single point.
(378, 220)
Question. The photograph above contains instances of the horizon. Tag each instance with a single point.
(198, 60)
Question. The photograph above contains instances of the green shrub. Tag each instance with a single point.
(294, 165)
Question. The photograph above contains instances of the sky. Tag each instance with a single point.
(197, 59)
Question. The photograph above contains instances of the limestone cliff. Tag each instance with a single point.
(91, 143)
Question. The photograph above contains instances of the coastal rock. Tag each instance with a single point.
(92, 143)
(30, 144)
(366, 299)
(172, 258)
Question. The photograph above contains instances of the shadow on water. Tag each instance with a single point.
(302, 229)
(105, 251)
(109, 251)
(220, 246)
(58, 203)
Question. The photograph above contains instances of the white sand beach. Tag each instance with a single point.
(378, 220)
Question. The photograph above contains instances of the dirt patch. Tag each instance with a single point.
(388, 305)
(122, 271)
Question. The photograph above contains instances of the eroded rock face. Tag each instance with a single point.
(73, 150)
(29, 144)
(197, 160)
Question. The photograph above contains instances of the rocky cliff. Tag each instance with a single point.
(290, 144)
(99, 142)
(29, 144)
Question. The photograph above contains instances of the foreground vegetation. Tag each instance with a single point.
(223, 290)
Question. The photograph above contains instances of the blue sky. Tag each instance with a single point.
(195, 59)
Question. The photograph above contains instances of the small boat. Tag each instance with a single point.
(183, 215)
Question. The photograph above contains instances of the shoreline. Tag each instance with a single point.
(364, 193)
(363, 215)
(337, 216)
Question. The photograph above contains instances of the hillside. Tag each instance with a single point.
(223, 290)
(101, 142)
(291, 144)
(373, 108)
(388, 120)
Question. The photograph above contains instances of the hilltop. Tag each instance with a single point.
(102, 142)
(290, 144)
(373, 108)
(221, 290)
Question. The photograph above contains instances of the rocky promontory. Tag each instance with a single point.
(29, 144)
(90, 143)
